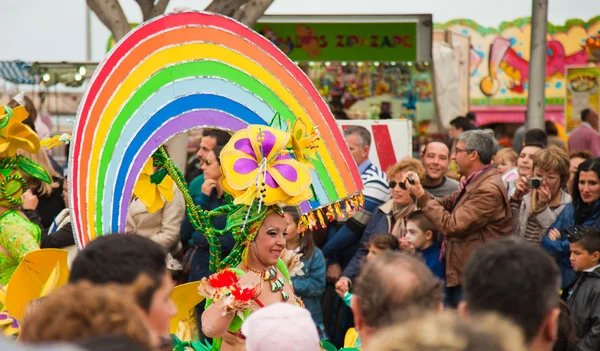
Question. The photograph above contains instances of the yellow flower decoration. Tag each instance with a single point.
(150, 194)
(256, 165)
(55, 141)
(303, 142)
(15, 135)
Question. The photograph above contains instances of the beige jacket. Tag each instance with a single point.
(162, 226)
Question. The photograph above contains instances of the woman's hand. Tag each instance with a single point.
(30, 200)
(543, 198)
(521, 188)
(415, 189)
(208, 186)
(553, 234)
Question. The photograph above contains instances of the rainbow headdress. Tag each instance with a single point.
(188, 70)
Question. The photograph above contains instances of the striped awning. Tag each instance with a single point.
(18, 72)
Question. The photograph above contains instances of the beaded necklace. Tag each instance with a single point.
(277, 282)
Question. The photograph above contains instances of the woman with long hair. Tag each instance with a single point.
(584, 210)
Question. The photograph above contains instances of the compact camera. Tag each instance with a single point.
(534, 182)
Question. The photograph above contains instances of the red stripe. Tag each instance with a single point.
(384, 146)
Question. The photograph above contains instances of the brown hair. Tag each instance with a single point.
(29, 107)
(585, 154)
(449, 332)
(41, 158)
(391, 285)
(84, 310)
(423, 223)
(506, 153)
(553, 159)
(384, 242)
(407, 164)
(306, 242)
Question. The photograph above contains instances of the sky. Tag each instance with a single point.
(55, 30)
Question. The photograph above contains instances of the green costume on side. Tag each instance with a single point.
(18, 236)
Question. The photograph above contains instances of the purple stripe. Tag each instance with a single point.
(172, 127)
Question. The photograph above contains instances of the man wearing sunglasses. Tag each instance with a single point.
(478, 212)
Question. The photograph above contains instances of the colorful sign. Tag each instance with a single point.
(499, 61)
(387, 135)
(344, 41)
(582, 93)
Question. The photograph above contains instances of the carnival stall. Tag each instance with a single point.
(366, 67)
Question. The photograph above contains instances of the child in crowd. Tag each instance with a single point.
(423, 238)
(583, 294)
(308, 275)
(377, 244)
(506, 163)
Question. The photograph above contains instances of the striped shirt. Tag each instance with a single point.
(375, 183)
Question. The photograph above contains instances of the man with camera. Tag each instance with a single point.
(538, 200)
(476, 213)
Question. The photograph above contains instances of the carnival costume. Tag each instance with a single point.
(26, 272)
(187, 70)
(18, 235)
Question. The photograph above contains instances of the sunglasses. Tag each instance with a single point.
(402, 185)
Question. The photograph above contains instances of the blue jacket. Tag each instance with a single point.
(311, 286)
(560, 249)
(379, 223)
(199, 266)
(431, 255)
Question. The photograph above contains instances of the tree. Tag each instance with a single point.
(112, 16)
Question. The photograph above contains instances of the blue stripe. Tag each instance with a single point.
(176, 108)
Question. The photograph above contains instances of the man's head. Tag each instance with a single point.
(490, 280)
(358, 140)
(590, 117)
(474, 149)
(122, 258)
(388, 289)
(436, 158)
(211, 138)
(448, 332)
(536, 137)
(459, 125)
(585, 250)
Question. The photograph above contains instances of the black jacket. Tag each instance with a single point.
(583, 298)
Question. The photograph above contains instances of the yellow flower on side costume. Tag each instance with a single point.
(151, 194)
(256, 165)
(15, 135)
(302, 143)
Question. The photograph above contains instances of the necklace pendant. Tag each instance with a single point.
(285, 295)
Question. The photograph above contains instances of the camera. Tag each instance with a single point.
(534, 182)
(410, 180)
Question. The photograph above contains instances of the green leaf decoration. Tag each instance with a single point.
(4, 121)
(278, 122)
(158, 176)
(33, 169)
(327, 346)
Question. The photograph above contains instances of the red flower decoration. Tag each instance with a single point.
(223, 279)
(243, 295)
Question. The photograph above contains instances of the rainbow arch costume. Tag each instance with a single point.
(187, 70)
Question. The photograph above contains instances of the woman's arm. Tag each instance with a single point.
(214, 324)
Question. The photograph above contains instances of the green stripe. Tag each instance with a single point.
(194, 69)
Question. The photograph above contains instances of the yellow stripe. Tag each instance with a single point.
(191, 52)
